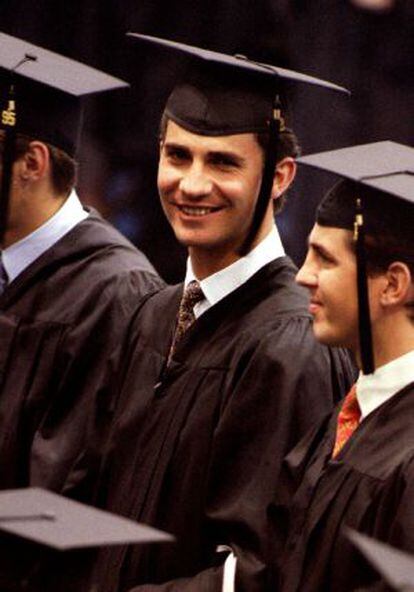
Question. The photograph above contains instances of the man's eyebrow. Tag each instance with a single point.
(227, 155)
(320, 249)
(175, 145)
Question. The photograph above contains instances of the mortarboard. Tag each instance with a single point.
(395, 566)
(48, 89)
(377, 196)
(40, 97)
(224, 95)
(50, 519)
(51, 536)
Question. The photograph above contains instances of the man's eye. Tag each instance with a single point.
(325, 258)
(177, 155)
(322, 255)
(224, 161)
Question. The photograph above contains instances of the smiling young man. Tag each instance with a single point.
(69, 281)
(206, 414)
(209, 187)
(356, 469)
(330, 275)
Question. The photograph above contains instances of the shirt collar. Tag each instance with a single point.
(375, 389)
(220, 284)
(24, 252)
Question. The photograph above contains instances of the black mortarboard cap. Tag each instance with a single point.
(387, 167)
(50, 542)
(396, 567)
(48, 88)
(63, 524)
(375, 197)
(40, 97)
(224, 95)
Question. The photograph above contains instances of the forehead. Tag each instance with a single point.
(334, 239)
(241, 144)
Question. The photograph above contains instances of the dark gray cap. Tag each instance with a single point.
(45, 518)
(223, 94)
(395, 566)
(387, 166)
(382, 173)
(47, 89)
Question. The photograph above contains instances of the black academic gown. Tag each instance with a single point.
(197, 448)
(63, 322)
(368, 487)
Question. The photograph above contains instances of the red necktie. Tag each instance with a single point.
(185, 318)
(348, 420)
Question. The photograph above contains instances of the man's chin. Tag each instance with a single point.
(198, 242)
(324, 336)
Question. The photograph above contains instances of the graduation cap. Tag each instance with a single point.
(396, 567)
(63, 524)
(63, 531)
(376, 197)
(40, 97)
(224, 95)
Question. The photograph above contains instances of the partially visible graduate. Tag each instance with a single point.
(69, 281)
(356, 469)
(226, 374)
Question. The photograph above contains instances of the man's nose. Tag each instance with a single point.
(196, 182)
(306, 276)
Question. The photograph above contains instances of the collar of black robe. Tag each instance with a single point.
(223, 95)
(376, 197)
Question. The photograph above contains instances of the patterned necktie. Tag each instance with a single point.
(348, 420)
(3, 277)
(185, 318)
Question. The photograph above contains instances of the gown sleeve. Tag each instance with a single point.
(399, 516)
(66, 446)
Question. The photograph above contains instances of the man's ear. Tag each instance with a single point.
(398, 288)
(35, 162)
(284, 174)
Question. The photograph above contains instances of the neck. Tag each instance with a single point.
(392, 339)
(30, 210)
(205, 262)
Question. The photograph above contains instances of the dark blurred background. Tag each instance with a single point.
(365, 45)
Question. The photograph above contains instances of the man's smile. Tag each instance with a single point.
(314, 306)
(197, 211)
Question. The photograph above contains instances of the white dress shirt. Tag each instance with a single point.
(372, 390)
(20, 255)
(223, 282)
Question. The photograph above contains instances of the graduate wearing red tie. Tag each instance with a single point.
(357, 468)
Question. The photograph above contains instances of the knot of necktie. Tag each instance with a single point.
(185, 318)
(348, 420)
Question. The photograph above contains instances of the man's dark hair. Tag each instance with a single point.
(384, 249)
(63, 167)
(388, 224)
(288, 146)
